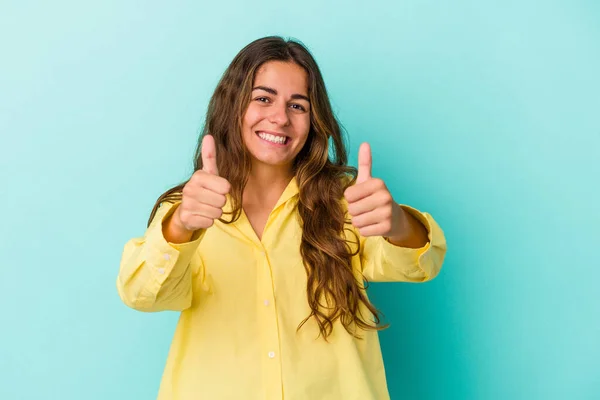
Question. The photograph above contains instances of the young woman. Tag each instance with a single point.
(265, 250)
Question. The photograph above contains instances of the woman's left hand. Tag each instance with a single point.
(371, 205)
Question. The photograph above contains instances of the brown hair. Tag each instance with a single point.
(322, 175)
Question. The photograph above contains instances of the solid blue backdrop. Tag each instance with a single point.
(485, 115)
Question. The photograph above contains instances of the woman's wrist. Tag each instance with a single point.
(174, 231)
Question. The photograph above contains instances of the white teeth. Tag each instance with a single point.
(272, 138)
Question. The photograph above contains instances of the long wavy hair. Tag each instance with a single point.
(322, 175)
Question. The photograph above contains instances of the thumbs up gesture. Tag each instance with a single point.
(370, 204)
(205, 193)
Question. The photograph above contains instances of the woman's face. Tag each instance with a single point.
(277, 120)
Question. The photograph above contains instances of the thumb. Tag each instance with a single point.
(209, 155)
(364, 163)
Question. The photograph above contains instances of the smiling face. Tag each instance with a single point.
(277, 121)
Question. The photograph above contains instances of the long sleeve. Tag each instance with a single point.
(155, 275)
(382, 261)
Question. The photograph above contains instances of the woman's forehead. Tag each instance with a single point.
(282, 76)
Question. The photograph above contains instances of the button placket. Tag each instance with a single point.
(270, 339)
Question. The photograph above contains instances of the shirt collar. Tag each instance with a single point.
(290, 191)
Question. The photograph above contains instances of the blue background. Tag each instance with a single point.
(485, 114)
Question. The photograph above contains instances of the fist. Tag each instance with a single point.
(205, 193)
(370, 203)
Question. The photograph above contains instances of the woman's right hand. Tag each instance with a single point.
(203, 197)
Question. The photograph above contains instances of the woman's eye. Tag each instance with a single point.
(262, 99)
(298, 107)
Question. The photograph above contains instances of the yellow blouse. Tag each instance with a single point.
(242, 299)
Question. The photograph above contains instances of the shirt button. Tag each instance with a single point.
(167, 256)
(271, 354)
(266, 302)
(160, 270)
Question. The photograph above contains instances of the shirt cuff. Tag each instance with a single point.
(167, 259)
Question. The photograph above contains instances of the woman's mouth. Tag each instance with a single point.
(275, 139)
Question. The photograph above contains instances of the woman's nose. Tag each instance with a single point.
(279, 115)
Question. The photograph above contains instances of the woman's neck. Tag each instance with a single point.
(265, 185)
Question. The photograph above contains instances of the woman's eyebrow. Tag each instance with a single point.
(274, 92)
